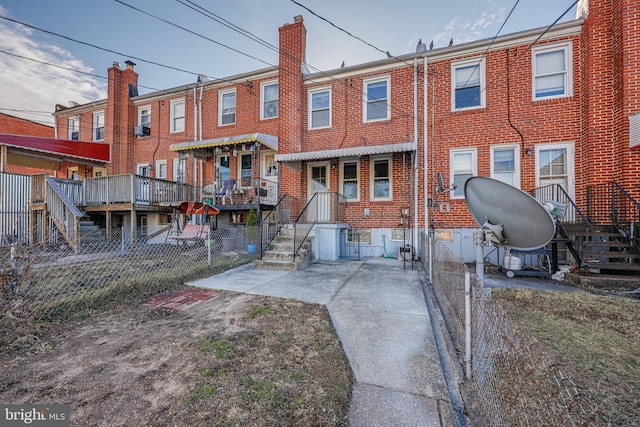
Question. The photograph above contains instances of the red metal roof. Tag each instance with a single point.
(88, 151)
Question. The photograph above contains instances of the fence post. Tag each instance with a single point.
(467, 324)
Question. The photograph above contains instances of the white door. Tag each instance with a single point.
(319, 184)
(554, 165)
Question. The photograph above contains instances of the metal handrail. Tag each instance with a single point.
(625, 214)
(297, 246)
(275, 217)
(63, 213)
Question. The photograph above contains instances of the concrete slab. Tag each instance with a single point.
(375, 406)
(380, 315)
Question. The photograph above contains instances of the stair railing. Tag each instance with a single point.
(573, 215)
(63, 212)
(276, 219)
(625, 215)
(304, 223)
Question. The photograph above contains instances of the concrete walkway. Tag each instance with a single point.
(379, 312)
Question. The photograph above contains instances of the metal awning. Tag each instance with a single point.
(47, 153)
(270, 141)
(364, 150)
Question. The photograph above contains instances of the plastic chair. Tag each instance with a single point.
(228, 185)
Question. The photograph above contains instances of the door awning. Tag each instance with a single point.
(48, 152)
(270, 141)
(348, 152)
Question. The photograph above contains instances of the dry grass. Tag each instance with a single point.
(594, 339)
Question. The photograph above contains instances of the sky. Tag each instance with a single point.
(182, 34)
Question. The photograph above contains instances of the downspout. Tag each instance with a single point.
(416, 156)
(426, 167)
(195, 138)
(201, 180)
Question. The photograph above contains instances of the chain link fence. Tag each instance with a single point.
(54, 282)
(513, 381)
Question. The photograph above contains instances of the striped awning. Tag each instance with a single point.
(363, 150)
(270, 141)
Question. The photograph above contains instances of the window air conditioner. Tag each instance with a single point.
(142, 130)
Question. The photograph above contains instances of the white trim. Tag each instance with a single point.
(141, 166)
(516, 161)
(312, 92)
(94, 129)
(144, 107)
(173, 117)
(239, 168)
(570, 161)
(176, 167)
(71, 129)
(634, 130)
(310, 165)
(221, 94)
(341, 184)
(567, 48)
(262, 100)
(483, 84)
(166, 169)
(474, 169)
(365, 83)
(372, 160)
(363, 150)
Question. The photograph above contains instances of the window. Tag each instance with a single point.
(98, 126)
(178, 170)
(144, 116)
(177, 116)
(227, 107)
(269, 100)
(555, 166)
(144, 169)
(376, 102)
(505, 164)
(74, 128)
(270, 165)
(463, 166)
(359, 235)
(468, 88)
(224, 170)
(246, 163)
(552, 72)
(161, 169)
(381, 178)
(320, 111)
(350, 170)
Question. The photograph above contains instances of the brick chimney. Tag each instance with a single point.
(120, 117)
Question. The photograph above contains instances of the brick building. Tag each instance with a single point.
(540, 107)
(19, 126)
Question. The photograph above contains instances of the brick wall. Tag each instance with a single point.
(17, 126)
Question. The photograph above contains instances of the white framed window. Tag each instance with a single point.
(505, 164)
(98, 126)
(143, 169)
(177, 115)
(144, 116)
(468, 84)
(269, 96)
(178, 170)
(463, 165)
(320, 108)
(377, 96)
(350, 179)
(555, 165)
(74, 128)
(270, 165)
(161, 169)
(227, 107)
(552, 71)
(381, 178)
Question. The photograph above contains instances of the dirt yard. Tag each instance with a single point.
(235, 359)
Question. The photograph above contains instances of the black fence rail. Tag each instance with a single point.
(610, 204)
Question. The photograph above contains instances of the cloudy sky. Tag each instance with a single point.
(41, 68)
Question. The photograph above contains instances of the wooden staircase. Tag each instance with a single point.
(279, 254)
(604, 248)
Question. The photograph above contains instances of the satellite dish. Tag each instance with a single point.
(526, 224)
(440, 183)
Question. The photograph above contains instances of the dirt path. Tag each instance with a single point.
(234, 359)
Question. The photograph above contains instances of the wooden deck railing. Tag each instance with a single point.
(63, 212)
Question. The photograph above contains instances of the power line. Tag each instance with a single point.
(103, 48)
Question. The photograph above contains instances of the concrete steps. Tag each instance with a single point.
(279, 255)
